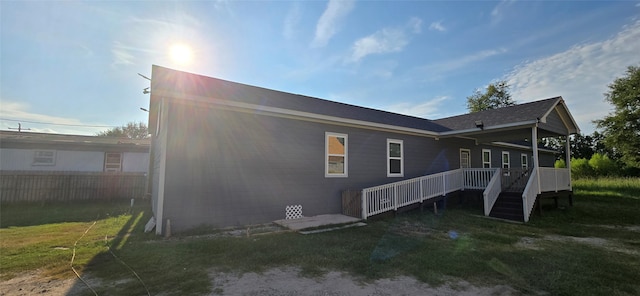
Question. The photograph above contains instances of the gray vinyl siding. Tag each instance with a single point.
(546, 159)
(555, 124)
(227, 168)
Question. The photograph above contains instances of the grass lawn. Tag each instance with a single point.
(592, 248)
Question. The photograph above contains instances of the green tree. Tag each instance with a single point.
(621, 128)
(496, 95)
(132, 130)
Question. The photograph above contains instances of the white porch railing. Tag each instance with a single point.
(529, 195)
(492, 191)
(552, 179)
(387, 197)
(383, 198)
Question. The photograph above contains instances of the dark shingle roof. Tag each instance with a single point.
(526, 112)
(216, 89)
(182, 85)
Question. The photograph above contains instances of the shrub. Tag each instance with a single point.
(580, 168)
(602, 165)
(559, 164)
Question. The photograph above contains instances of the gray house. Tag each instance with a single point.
(229, 154)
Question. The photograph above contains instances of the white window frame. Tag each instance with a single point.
(507, 164)
(389, 158)
(485, 163)
(468, 151)
(44, 158)
(108, 167)
(345, 173)
(524, 161)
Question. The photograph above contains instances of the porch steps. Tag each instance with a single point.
(508, 206)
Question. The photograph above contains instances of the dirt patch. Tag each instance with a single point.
(288, 281)
(532, 243)
(274, 282)
(33, 283)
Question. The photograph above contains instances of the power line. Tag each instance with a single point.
(64, 124)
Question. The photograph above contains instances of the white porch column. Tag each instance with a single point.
(568, 160)
(536, 159)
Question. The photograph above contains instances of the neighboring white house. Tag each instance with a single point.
(26, 151)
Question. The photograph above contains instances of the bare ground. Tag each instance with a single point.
(273, 282)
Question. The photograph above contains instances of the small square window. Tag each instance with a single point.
(113, 162)
(44, 157)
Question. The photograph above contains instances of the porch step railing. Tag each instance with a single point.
(530, 194)
(390, 197)
(492, 191)
(387, 197)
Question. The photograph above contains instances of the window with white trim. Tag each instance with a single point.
(112, 162)
(506, 163)
(395, 160)
(486, 158)
(336, 152)
(505, 160)
(44, 157)
(524, 161)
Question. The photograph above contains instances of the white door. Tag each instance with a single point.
(465, 158)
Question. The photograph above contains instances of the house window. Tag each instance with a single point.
(486, 158)
(525, 161)
(112, 162)
(44, 157)
(465, 158)
(505, 160)
(336, 149)
(395, 162)
(505, 163)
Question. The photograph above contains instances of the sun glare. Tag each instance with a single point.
(181, 54)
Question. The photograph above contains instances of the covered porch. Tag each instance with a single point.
(512, 191)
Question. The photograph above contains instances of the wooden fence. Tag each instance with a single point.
(352, 203)
(69, 186)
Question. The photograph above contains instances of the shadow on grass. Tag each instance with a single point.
(111, 267)
(30, 214)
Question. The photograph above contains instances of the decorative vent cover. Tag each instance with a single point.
(293, 212)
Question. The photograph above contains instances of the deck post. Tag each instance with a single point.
(536, 159)
(568, 159)
(363, 201)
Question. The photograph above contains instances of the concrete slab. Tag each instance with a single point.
(316, 221)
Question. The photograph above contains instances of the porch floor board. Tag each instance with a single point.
(316, 221)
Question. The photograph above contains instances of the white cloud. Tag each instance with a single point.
(437, 26)
(415, 24)
(328, 23)
(580, 75)
(498, 12)
(291, 21)
(446, 66)
(383, 41)
(13, 113)
(428, 109)
(121, 55)
(386, 40)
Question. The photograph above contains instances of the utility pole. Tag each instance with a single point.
(20, 129)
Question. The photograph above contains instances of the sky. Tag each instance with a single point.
(72, 67)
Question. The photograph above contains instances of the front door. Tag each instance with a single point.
(465, 158)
